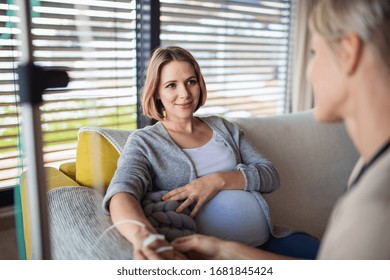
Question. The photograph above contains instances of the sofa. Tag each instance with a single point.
(314, 161)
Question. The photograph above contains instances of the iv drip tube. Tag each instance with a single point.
(33, 80)
(32, 142)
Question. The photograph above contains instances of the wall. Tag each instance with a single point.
(8, 243)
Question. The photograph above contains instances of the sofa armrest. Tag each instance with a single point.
(79, 229)
(54, 180)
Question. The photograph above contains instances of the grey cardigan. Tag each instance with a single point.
(151, 161)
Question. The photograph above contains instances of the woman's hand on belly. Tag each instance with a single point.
(197, 192)
(202, 189)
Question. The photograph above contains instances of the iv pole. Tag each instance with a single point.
(33, 80)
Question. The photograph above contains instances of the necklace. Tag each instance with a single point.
(371, 162)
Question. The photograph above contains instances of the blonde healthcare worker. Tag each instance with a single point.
(350, 74)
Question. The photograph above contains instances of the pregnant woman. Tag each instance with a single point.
(205, 163)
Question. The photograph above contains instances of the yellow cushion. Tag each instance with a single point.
(56, 179)
(96, 160)
(69, 169)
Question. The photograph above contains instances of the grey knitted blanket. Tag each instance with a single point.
(163, 217)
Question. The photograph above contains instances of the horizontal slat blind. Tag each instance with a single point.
(242, 48)
(9, 120)
(95, 41)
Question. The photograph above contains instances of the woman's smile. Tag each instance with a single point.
(184, 105)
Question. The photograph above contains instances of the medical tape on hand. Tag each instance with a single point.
(163, 249)
(153, 237)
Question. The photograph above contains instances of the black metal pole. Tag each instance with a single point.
(33, 80)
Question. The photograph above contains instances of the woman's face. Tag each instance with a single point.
(178, 90)
(327, 79)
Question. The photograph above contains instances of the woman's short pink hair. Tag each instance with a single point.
(151, 106)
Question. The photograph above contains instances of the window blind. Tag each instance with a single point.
(242, 48)
(95, 41)
(8, 104)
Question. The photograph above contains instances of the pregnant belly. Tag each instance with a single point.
(234, 215)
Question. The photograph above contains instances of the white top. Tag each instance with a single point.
(231, 214)
(214, 156)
